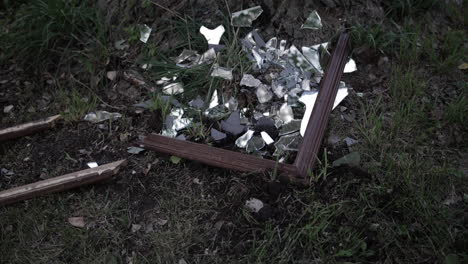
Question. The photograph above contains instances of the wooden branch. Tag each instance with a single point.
(61, 183)
(28, 128)
(310, 145)
(214, 156)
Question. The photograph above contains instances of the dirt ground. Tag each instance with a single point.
(155, 211)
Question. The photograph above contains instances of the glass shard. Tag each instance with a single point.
(232, 125)
(350, 66)
(212, 36)
(244, 18)
(197, 103)
(145, 32)
(308, 99)
(264, 93)
(268, 140)
(287, 143)
(214, 99)
(313, 21)
(232, 104)
(250, 81)
(221, 72)
(255, 144)
(340, 95)
(217, 113)
(279, 88)
(286, 113)
(134, 150)
(186, 55)
(181, 123)
(171, 133)
(241, 142)
(119, 44)
(297, 59)
(207, 57)
(291, 127)
(99, 116)
(173, 89)
(217, 135)
(92, 164)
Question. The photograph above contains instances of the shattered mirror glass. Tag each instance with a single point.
(313, 21)
(212, 36)
(145, 33)
(264, 110)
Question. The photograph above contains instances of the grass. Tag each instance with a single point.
(44, 30)
(76, 105)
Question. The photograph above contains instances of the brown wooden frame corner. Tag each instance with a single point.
(298, 172)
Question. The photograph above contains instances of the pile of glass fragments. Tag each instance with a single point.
(284, 80)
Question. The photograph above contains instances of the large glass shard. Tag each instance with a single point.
(212, 36)
(244, 18)
(313, 21)
(242, 141)
(309, 98)
(221, 72)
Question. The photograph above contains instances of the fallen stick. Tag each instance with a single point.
(61, 183)
(307, 155)
(214, 156)
(28, 128)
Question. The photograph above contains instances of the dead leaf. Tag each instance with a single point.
(175, 159)
(77, 221)
(463, 66)
(147, 169)
(161, 221)
(111, 75)
(135, 228)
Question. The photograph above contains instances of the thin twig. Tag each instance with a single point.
(99, 98)
(169, 10)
